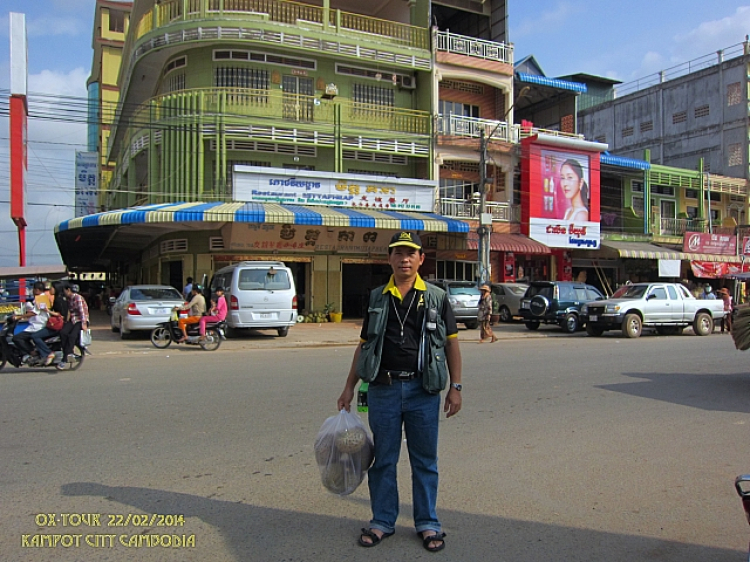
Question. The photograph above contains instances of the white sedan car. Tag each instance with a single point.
(142, 307)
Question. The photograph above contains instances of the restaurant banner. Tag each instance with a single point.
(703, 243)
(302, 187)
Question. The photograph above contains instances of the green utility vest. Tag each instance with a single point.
(431, 362)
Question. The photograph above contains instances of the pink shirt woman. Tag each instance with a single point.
(217, 313)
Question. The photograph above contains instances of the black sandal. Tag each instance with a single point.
(376, 540)
(438, 537)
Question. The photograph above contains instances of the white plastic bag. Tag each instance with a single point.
(85, 338)
(344, 452)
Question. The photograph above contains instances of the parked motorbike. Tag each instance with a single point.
(167, 332)
(9, 353)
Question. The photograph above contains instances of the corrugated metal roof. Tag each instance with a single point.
(624, 162)
(552, 82)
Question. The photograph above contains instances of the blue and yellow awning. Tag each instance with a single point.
(644, 250)
(270, 213)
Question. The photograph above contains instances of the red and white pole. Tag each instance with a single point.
(18, 128)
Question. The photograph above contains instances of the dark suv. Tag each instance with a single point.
(556, 302)
(464, 299)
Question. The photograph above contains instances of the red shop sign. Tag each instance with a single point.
(700, 242)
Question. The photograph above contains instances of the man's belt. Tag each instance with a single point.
(387, 377)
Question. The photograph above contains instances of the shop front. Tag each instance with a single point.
(336, 254)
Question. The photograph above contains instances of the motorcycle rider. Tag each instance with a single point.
(197, 307)
(36, 314)
(78, 319)
(59, 309)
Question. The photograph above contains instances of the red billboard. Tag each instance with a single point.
(560, 191)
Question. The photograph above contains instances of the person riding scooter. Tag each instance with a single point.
(197, 308)
(36, 315)
(217, 313)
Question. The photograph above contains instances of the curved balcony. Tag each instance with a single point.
(255, 19)
(238, 105)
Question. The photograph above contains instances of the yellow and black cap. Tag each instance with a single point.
(404, 238)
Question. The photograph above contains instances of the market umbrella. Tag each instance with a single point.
(741, 328)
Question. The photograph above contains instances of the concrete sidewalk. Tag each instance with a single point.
(346, 333)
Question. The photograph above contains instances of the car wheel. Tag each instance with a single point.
(594, 331)
(283, 332)
(505, 315)
(123, 332)
(703, 324)
(212, 341)
(632, 326)
(570, 323)
(532, 325)
(471, 325)
(161, 337)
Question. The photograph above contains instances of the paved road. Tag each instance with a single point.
(568, 448)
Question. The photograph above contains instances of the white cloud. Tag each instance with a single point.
(550, 19)
(698, 44)
(703, 39)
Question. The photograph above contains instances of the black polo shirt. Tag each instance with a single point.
(402, 353)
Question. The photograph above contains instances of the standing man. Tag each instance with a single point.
(187, 289)
(409, 337)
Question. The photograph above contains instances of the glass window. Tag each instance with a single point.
(263, 280)
(457, 189)
(659, 293)
(581, 294)
(155, 294)
(567, 293)
(593, 294)
(117, 21)
(672, 292)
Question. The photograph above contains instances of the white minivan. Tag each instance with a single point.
(259, 294)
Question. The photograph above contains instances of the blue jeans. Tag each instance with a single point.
(38, 338)
(391, 407)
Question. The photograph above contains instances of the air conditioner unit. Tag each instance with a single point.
(407, 82)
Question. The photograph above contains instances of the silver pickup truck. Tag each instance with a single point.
(668, 307)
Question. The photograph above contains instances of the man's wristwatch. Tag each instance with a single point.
(457, 385)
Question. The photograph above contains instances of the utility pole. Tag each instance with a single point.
(485, 219)
(484, 230)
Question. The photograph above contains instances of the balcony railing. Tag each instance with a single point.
(462, 209)
(678, 227)
(285, 12)
(280, 108)
(460, 126)
(472, 47)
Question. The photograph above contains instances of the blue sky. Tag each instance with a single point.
(622, 40)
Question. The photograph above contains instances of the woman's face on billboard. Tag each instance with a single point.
(570, 183)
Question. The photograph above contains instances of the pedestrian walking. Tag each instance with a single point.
(484, 315)
(408, 350)
(726, 320)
